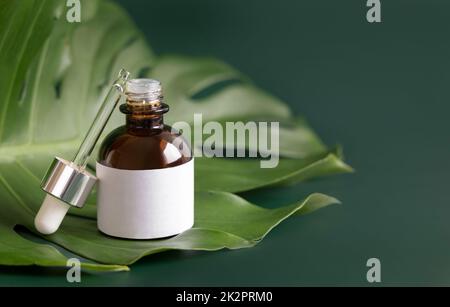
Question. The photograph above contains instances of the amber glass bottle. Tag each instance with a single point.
(145, 171)
(145, 142)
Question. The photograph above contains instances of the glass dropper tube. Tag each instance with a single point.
(67, 183)
(112, 98)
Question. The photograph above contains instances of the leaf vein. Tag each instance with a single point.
(15, 195)
(14, 76)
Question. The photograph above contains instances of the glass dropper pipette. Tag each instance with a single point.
(68, 183)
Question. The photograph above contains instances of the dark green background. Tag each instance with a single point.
(381, 90)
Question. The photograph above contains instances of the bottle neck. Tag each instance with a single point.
(144, 122)
(144, 119)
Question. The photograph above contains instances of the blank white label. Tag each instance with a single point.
(145, 204)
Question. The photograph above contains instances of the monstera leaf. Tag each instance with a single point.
(53, 77)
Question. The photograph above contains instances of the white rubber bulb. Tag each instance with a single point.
(50, 215)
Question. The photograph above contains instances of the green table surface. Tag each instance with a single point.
(380, 90)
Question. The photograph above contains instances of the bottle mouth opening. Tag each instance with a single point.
(144, 91)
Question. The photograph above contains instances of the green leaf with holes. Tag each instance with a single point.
(54, 76)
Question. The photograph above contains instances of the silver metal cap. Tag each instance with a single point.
(65, 181)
